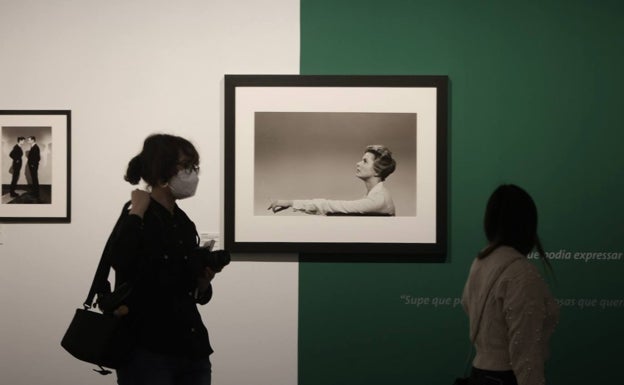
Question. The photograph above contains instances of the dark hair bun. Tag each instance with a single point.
(133, 173)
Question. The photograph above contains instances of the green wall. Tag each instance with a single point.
(536, 100)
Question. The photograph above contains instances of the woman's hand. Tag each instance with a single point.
(203, 282)
(140, 202)
(279, 205)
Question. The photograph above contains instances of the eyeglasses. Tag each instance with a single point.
(189, 168)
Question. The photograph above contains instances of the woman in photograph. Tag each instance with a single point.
(151, 251)
(510, 308)
(376, 165)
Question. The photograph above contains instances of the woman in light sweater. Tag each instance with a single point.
(374, 167)
(511, 310)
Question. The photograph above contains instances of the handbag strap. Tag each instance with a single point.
(471, 351)
(488, 295)
(100, 279)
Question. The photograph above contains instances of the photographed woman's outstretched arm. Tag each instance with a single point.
(378, 201)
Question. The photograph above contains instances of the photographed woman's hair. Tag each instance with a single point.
(383, 165)
(158, 160)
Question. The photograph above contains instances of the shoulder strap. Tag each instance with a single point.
(471, 351)
(488, 295)
(100, 280)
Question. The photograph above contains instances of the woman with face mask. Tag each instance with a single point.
(152, 250)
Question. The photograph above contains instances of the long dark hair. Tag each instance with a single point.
(511, 220)
(158, 159)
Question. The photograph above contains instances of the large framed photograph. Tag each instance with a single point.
(35, 166)
(336, 165)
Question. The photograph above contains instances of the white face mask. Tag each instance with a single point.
(184, 184)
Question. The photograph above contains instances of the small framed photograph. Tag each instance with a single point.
(336, 165)
(35, 166)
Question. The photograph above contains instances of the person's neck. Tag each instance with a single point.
(162, 195)
(371, 182)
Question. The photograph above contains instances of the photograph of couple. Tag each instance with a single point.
(27, 179)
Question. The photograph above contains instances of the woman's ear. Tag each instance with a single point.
(163, 184)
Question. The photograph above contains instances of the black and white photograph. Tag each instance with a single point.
(336, 164)
(31, 164)
(35, 166)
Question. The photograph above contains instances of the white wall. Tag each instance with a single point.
(128, 68)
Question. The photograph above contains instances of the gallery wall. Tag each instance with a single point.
(535, 99)
(127, 69)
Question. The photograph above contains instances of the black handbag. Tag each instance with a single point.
(97, 338)
(101, 338)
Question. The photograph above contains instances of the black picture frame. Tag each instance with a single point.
(263, 114)
(41, 192)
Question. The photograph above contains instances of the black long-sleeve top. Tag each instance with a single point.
(34, 155)
(153, 254)
(16, 154)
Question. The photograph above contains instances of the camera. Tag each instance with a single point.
(202, 257)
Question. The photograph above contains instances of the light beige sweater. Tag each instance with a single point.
(519, 316)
